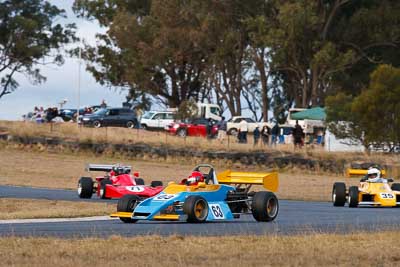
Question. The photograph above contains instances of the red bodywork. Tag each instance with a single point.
(191, 129)
(124, 184)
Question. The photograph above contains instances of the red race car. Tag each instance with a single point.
(117, 182)
(195, 127)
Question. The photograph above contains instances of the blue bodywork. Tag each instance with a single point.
(218, 209)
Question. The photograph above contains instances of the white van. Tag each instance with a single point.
(156, 119)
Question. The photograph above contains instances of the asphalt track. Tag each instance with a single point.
(294, 217)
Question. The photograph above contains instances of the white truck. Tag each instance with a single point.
(308, 126)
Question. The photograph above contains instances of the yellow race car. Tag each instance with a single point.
(373, 191)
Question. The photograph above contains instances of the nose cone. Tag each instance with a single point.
(387, 199)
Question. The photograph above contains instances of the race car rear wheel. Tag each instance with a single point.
(395, 187)
(339, 194)
(265, 206)
(85, 187)
(196, 208)
(156, 183)
(127, 204)
(139, 181)
(353, 196)
(103, 188)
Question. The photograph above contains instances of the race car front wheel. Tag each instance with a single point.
(127, 203)
(85, 187)
(339, 194)
(196, 208)
(395, 187)
(353, 196)
(103, 188)
(264, 206)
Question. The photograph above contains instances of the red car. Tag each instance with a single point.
(117, 182)
(195, 127)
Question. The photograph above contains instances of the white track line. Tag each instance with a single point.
(81, 219)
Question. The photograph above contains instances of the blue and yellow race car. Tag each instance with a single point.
(205, 196)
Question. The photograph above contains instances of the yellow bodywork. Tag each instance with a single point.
(360, 172)
(267, 179)
(121, 214)
(380, 192)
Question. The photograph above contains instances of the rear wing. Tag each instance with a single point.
(104, 167)
(267, 179)
(350, 172)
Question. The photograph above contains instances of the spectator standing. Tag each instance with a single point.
(298, 135)
(209, 128)
(265, 133)
(243, 128)
(103, 104)
(222, 127)
(256, 135)
(274, 133)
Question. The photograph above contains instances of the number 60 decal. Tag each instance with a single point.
(217, 211)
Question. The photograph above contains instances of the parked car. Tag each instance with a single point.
(156, 119)
(122, 117)
(68, 114)
(194, 127)
(233, 124)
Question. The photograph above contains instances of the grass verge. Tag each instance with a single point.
(358, 249)
(12, 208)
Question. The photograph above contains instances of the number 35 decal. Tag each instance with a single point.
(217, 211)
(387, 195)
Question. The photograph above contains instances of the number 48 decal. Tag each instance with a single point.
(217, 211)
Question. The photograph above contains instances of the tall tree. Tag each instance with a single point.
(317, 41)
(29, 36)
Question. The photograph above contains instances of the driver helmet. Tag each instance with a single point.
(373, 173)
(195, 177)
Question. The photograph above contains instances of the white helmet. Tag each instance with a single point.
(374, 171)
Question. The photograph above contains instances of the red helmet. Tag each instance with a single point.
(195, 177)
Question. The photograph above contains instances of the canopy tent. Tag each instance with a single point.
(310, 114)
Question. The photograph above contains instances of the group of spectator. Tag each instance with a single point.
(41, 115)
(269, 136)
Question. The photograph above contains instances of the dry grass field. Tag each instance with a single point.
(357, 249)
(43, 169)
(11, 208)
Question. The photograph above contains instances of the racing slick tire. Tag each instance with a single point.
(339, 194)
(139, 181)
(181, 132)
(130, 124)
(85, 187)
(196, 208)
(127, 204)
(265, 206)
(353, 196)
(156, 183)
(96, 124)
(395, 187)
(103, 187)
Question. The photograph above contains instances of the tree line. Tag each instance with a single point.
(261, 55)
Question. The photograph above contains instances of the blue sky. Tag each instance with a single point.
(62, 82)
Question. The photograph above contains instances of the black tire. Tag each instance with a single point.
(96, 124)
(353, 196)
(103, 184)
(339, 194)
(156, 183)
(181, 132)
(233, 131)
(127, 204)
(196, 208)
(144, 127)
(130, 124)
(139, 181)
(85, 187)
(265, 206)
(395, 187)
